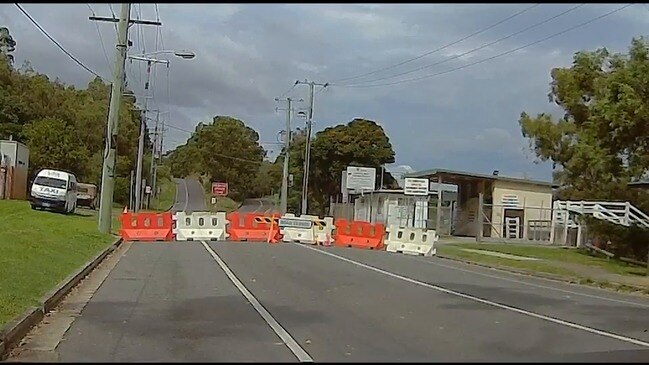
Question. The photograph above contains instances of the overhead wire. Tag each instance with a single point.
(101, 40)
(497, 55)
(56, 42)
(474, 49)
(442, 47)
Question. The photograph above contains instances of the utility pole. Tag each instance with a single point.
(153, 151)
(140, 143)
(108, 169)
(307, 152)
(117, 89)
(284, 193)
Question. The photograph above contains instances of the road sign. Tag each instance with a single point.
(295, 223)
(147, 190)
(219, 188)
(361, 178)
(213, 200)
(414, 186)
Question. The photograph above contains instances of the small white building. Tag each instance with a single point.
(14, 167)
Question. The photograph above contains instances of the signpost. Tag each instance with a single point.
(295, 223)
(219, 188)
(361, 178)
(414, 186)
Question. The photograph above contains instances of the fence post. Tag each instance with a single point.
(566, 217)
(627, 213)
(553, 223)
(478, 219)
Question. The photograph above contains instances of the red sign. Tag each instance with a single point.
(219, 188)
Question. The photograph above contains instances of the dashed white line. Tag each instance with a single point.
(290, 342)
(484, 301)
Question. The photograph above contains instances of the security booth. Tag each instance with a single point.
(496, 207)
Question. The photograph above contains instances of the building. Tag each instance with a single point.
(393, 207)
(14, 166)
(496, 206)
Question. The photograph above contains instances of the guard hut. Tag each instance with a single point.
(494, 207)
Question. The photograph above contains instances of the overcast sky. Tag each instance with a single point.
(248, 54)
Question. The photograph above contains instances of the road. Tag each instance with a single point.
(262, 206)
(229, 301)
(190, 196)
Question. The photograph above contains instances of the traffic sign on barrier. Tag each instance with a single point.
(297, 229)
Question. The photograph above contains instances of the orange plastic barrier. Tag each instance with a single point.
(254, 228)
(147, 226)
(359, 234)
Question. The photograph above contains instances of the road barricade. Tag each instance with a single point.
(200, 226)
(412, 241)
(146, 226)
(253, 227)
(297, 229)
(359, 234)
(323, 230)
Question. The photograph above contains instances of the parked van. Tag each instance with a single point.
(53, 189)
(87, 195)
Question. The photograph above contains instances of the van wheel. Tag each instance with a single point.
(33, 207)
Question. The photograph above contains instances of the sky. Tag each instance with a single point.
(456, 116)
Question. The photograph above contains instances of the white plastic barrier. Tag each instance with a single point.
(200, 226)
(296, 229)
(412, 241)
(323, 230)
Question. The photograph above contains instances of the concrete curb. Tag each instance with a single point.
(579, 281)
(15, 330)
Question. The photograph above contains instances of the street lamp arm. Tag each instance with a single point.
(182, 53)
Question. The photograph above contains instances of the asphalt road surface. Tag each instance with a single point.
(262, 206)
(190, 196)
(238, 301)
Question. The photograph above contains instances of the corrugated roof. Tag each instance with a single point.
(425, 173)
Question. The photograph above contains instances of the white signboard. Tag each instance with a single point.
(295, 223)
(361, 178)
(414, 186)
(147, 190)
(343, 187)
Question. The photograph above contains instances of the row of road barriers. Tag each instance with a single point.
(305, 229)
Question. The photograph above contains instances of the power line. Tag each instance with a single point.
(443, 47)
(287, 91)
(101, 40)
(55, 42)
(110, 6)
(475, 49)
(498, 55)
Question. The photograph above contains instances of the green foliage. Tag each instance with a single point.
(227, 150)
(360, 142)
(65, 127)
(600, 144)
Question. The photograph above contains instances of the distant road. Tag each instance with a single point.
(190, 196)
(262, 206)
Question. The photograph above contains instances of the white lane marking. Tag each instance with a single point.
(487, 302)
(532, 284)
(186, 195)
(290, 342)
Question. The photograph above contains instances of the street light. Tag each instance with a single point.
(188, 55)
(140, 153)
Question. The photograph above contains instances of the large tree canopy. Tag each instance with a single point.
(601, 142)
(227, 150)
(65, 127)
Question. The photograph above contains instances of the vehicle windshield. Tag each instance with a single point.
(51, 182)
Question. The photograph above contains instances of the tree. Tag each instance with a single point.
(7, 44)
(600, 144)
(361, 142)
(227, 150)
(53, 144)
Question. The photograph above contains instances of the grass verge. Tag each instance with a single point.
(39, 249)
(560, 254)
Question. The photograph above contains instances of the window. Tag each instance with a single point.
(50, 182)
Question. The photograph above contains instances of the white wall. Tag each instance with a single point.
(535, 200)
